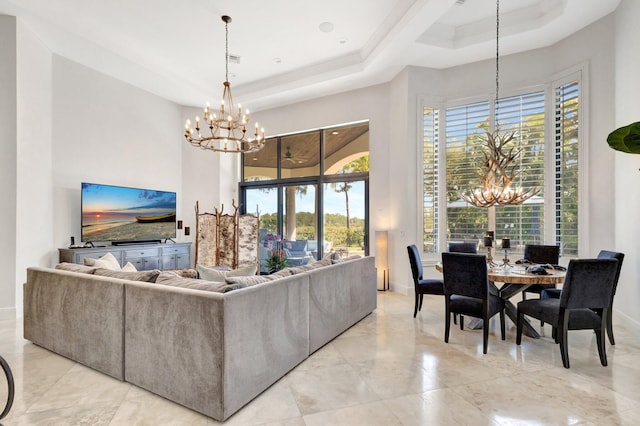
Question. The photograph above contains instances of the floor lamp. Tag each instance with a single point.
(382, 261)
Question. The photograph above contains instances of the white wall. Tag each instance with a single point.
(627, 166)
(8, 156)
(107, 131)
(34, 233)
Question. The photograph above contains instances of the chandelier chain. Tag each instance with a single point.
(226, 51)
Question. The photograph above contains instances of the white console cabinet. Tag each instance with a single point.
(143, 256)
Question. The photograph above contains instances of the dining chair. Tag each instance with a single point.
(540, 254)
(604, 254)
(583, 304)
(460, 247)
(466, 292)
(421, 286)
(463, 248)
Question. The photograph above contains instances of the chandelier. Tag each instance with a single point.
(500, 166)
(227, 126)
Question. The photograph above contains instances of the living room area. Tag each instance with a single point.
(65, 122)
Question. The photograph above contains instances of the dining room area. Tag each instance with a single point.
(575, 297)
(549, 313)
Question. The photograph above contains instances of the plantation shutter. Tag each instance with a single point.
(566, 167)
(430, 179)
(464, 126)
(524, 115)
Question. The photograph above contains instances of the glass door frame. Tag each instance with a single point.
(319, 183)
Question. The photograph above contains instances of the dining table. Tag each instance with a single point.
(514, 280)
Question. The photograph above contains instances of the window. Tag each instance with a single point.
(566, 166)
(459, 130)
(464, 125)
(524, 114)
(430, 180)
(312, 190)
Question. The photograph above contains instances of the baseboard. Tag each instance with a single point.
(398, 288)
(7, 313)
(632, 325)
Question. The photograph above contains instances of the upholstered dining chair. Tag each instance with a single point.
(604, 254)
(458, 247)
(463, 248)
(422, 286)
(583, 304)
(543, 255)
(466, 292)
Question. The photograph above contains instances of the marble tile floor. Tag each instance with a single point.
(389, 369)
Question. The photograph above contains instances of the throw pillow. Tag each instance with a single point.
(172, 279)
(216, 275)
(108, 261)
(146, 276)
(75, 267)
(129, 267)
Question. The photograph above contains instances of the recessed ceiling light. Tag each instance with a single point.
(326, 27)
(342, 40)
(335, 132)
(277, 60)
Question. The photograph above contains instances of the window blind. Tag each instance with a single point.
(567, 120)
(524, 115)
(465, 125)
(430, 179)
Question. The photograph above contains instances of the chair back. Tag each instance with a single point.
(588, 284)
(463, 248)
(605, 254)
(416, 263)
(465, 275)
(542, 254)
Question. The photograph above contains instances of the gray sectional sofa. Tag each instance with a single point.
(209, 351)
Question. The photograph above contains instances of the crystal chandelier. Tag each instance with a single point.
(227, 126)
(500, 165)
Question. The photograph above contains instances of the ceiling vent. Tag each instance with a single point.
(460, 1)
(234, 59)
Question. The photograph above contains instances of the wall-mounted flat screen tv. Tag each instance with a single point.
(123, 214)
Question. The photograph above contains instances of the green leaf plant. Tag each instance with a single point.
(626, 139)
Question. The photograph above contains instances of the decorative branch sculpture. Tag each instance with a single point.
(499, 170)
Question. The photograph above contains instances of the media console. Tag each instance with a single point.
(142, 256)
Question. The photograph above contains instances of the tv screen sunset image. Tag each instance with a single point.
(116, 213)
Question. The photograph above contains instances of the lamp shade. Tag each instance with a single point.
(382, 261)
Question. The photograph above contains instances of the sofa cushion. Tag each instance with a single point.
(146, 276)
(185, 273)
(247, 281)
(352, 257)
(170, 278)
(75, 267)
(212, 274)
(281, 273)
(310, 266)
(108, 261)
